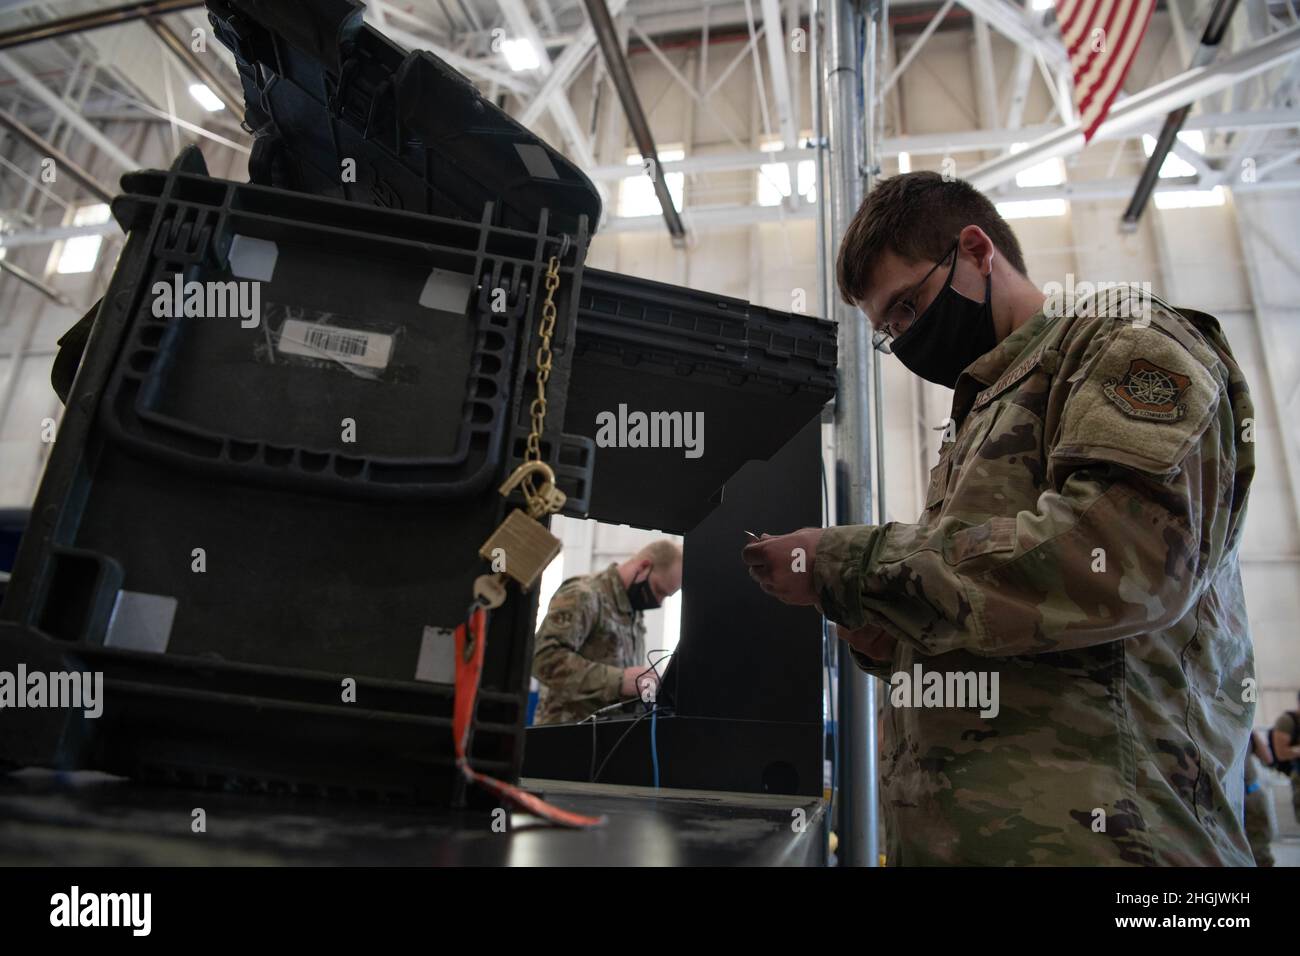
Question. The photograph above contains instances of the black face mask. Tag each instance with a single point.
(641, 596)
(950, 334)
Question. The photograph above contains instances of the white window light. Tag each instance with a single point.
(552, 578)
(80, 253)
(520, 54)
(672, 628)
(774, 178)
(1032, 208)
(904, 161)
(1050, 172)
(1188, 198)
(1174, 165)
(636, 194)
(206, 98)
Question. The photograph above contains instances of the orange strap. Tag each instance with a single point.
(470, 647)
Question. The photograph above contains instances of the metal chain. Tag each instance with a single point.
(537, 410)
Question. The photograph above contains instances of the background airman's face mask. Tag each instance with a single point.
(951, 333)
(641, 596)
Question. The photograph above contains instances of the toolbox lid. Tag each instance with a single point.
(340, 110)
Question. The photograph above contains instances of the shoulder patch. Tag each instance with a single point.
(1142, 402)
(1148, 391)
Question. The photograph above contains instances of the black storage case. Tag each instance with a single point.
(328, 559)
(324, 559)
(757, 375)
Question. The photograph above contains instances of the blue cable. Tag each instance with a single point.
(654, 742)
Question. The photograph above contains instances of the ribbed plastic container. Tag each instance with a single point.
(748, 377)
(240, 515)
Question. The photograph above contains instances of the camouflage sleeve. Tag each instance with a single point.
(557, 659)
(882, 669)
(1122, 541)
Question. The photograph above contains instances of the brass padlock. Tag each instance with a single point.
(521, 548)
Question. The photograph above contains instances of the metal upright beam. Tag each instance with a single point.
(759, 84)
(1270, 349)
(1018, 95)
(856, 713)
(780, 75)
(794, 76)
(985, 83)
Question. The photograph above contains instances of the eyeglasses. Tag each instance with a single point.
(902, 313)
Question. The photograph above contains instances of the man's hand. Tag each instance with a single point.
(640, 682)
(783, 565)
(869, 641)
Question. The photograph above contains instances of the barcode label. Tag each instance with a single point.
(352, 346)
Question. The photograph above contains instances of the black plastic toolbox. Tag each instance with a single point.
(231, 525)
(752, 377)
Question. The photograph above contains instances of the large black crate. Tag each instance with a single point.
(324, 558)
(755, 375)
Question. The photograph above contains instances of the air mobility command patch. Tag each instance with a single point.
(1149, 391)
(1143, 402)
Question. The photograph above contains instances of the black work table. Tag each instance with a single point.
(93, 819)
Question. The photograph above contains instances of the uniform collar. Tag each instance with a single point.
(614, 584)
(990, 366)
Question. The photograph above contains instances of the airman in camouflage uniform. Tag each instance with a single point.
(1090, 557)
(1080, 539)
(593, 637)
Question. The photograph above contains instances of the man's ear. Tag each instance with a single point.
(975, 243)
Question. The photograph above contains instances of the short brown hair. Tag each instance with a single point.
(662, 554)
(916, 216)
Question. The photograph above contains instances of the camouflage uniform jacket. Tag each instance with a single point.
(1080, 538)
(590, 633)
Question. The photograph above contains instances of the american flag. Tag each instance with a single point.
(1101, 37)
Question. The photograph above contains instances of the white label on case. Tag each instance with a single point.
(351, 346)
